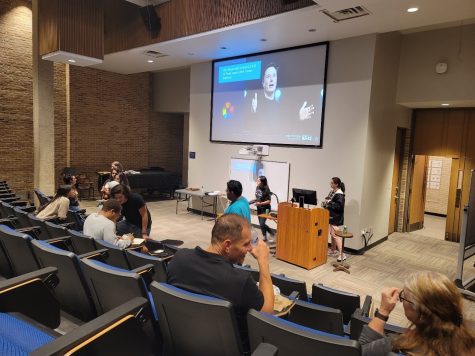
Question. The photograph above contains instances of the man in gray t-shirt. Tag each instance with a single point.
(101, 225)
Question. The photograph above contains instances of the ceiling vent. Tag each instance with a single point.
(347, 14)
(154, 54)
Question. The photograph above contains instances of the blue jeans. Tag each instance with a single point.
(126, 227)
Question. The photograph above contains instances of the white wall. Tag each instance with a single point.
(384, 118)
(420, 85)
(345, 131)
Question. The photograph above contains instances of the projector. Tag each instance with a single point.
(257, 150)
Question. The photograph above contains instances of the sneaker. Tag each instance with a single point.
(332, 253)
(340, 260)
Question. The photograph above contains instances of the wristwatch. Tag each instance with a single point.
(378, 315)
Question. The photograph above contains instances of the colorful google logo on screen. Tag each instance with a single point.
(227, 110)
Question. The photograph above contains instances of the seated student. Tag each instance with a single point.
(137, 217)
(433, 305)
(58, 207)
(101, 225)
(211, 271)
(239, 205)
(73, 199)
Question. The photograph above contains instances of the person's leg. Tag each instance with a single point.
(333, 251)
(338, 242)
(262, 224)
(123, 227)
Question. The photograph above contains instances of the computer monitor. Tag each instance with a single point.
(304, 196)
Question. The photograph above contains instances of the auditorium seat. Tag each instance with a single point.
(111, 286)
(27, 323)
(138, 259)
(317, 317)
(42, 198)
(194, 324)
(334, 298)
(45, 235)
(81, 243)
(295, 340)
(72, 290)
(288, 285)
(17, 248)
(116, 255)
(358, 320)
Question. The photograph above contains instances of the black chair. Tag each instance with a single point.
(288, 285)
(252, 271)
(138, 259)
(42, 198)
(17, 248)
(82, 243)
(295, 340)
(5, 268)
(111, 286)
(72, 290)
(333, 298)
(193, 324)
(317, 317)
(358, 320)
(44, 235)
(116, 256)
(29, 313)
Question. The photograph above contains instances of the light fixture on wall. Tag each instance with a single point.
(441, 68)
(413, 9)
(445, 104)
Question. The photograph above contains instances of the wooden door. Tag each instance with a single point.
(394, 201)
(418, 193)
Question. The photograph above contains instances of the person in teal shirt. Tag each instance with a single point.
(239, 205)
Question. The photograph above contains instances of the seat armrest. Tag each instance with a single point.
(28, 209)
(101, 252)
(34, 229)
(144, 269)
(393, 329)
(67, 224)
(30, 295)
(19, 203)
(265, 349)
(58, 239)
(133, 310)
(294, 295)
(367, 305)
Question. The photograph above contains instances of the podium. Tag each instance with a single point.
(302, 235)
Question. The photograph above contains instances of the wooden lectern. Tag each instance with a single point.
(302, 235)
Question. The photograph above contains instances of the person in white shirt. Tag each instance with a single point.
(58, 207)
(101, 225)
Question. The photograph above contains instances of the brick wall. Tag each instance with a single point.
(166, 141)
(16, 95)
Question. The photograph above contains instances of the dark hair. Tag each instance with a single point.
(121, 189)
(63, 191)
(112, 204)
(68, 179)
(263, 180)
(123, 179)
(228, 226)
(270, 65)
(117, 166)
(339, 183)
(235, 187)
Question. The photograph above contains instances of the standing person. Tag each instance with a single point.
(137, 217)
(239, 205)
(335, 203)
(58, 207)
(101, 225)
(262, 202)
(211, 271)
(122, 177)
(433, 305)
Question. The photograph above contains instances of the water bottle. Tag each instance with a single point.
(345, 229)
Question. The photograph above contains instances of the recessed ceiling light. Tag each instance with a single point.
(413, 9)
(71, 61)
(223, 47)
(445, 104)
(263, 39)
(312, 30)
(150, 61)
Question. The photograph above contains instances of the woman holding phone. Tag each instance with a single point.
(262, 202)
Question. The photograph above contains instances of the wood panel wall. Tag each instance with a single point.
(75, 26)
(125, 29)
(449, 133)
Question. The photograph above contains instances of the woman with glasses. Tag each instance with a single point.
(433, 305)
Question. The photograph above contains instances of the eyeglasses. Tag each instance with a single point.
(402, 298)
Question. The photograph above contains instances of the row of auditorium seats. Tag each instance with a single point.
(92, 280)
